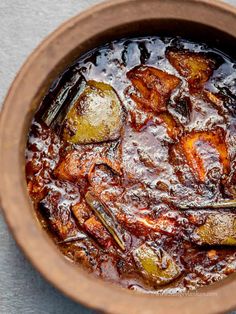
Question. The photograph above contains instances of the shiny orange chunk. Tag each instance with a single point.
(81, 212)
(153, 87)
(75, 166)
(196, 67)
(36, 189)
(96, 229)
(193, 143)
(214, 99)
(143, 225)
(172, 127)
(70, 167)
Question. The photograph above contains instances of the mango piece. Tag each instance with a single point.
(153, 87)
(97, 116)
(218, 229)
(155, 264)
(195, 67)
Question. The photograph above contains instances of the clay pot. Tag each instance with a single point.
(199, 20)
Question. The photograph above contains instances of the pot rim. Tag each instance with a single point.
(23, 97)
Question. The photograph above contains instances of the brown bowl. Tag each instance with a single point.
(201, 20)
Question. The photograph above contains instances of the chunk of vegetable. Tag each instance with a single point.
(214, 99)
(144, 225)
(76, 165)
(60, 221)
(97, 116)
(173, 128)
(86, 219)
(196, 67)
(81, 212)
(192, 144)
(70, 167)
(96, 229)
(55, 108)
(107, 220)
(154, 87)
(218, 229)
(36, 189)
(156, 265)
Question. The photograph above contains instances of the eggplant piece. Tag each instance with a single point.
(197, 68)
(155, 264)
(107, 219)
(153, 86)
(96, 116)
(54, 110)
(60, 219)
(218, 229)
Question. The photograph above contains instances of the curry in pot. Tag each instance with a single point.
(130, 164)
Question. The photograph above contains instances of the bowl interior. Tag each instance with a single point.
(131, 20)
(192, 31)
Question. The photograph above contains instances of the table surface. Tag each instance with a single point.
(23, 24)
